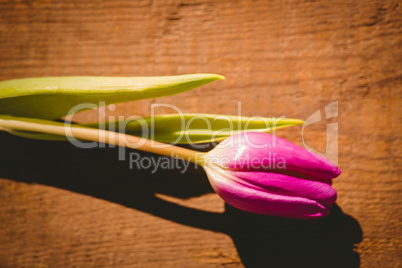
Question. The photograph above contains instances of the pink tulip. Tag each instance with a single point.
(265, 174)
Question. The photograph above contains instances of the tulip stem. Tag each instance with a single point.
(105, 136)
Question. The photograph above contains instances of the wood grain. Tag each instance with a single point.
(66, 207)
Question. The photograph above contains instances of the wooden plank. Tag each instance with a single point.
(66, 207)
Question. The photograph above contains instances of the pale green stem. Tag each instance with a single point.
(109, 137)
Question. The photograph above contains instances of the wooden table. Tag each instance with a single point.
(62, 206)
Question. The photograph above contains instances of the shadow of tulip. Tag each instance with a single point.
(281, 242)
(261, 241)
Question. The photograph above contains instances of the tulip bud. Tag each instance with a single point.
(266, 174)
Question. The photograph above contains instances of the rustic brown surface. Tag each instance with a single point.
(62, 206)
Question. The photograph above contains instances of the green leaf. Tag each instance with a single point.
(53, 97)
(179, 129)
(194, 128)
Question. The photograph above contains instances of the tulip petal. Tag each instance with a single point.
(287, 185)
(260, 201)
(261, 151)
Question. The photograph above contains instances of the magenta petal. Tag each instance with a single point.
(286, 185)
(262, 202)
(260, 151)
(265, 174)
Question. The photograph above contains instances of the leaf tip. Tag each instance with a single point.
(213, 77)
(299, 122)
(220, 77)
